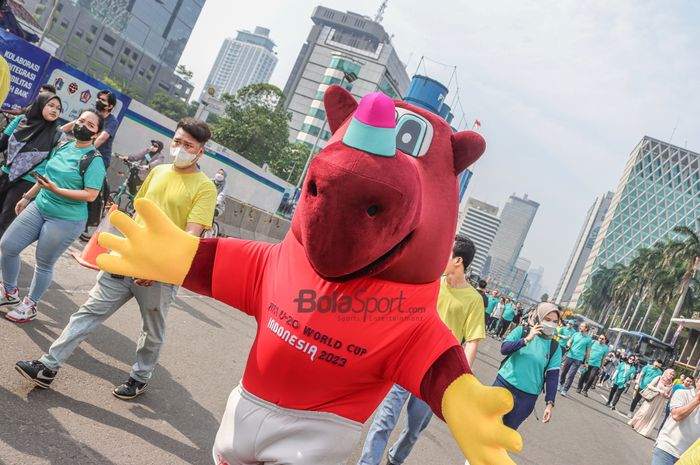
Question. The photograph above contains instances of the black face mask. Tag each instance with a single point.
(100, 106)
(82, 133)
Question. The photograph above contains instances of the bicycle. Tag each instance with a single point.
(214, 231)
(122, 197)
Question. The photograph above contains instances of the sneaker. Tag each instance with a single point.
(36, 372)
(607, 404)
(585, 393)
(612, 407)
(130, 389)
(564, 393)
(578, 391)
(7, 298)
(630, 415)
(23, 312)
(559, 387)
(85, 237)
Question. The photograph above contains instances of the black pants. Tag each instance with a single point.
(491, 323)
(615, 393)
(635, 400)
(8, 199)
(502, 327)
(586, 381)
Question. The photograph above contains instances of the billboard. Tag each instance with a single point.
(27, 66)
(30, 67)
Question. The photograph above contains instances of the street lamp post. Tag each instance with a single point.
(48, 24)
(349, 77)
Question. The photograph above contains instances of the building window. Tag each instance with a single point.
(330, 80)
(311, 129)
(317, 113)
(109, 40)
(344, 65)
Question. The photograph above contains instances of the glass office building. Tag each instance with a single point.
(659, 189)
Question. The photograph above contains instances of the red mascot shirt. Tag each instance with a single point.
(330, 347)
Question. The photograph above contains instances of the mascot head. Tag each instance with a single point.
(381, 198)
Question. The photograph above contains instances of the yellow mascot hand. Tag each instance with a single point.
(4, 80)
(474, 413)
(158, 250)
(691, 456)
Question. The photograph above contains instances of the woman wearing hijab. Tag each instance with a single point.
(27, 142)
(652, 411)
(219, 181)
(533, 359)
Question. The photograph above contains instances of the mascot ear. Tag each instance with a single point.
(340, 104)
(467, 146)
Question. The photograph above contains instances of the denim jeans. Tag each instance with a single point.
(54, 236)
(417, 419)
(660, 457)
(569, 367)
(107, 296)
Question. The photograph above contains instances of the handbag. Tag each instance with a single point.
(649, 394)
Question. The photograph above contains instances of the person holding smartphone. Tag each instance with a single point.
(27, 142)
(73, 177)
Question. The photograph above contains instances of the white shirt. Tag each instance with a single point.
(676, 437)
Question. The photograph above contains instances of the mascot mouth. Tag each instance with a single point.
(376, 266)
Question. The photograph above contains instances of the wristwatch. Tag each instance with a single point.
(550, 402)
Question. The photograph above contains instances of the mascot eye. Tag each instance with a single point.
(410, 135)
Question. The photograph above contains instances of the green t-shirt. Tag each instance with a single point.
(598, 351)
(566, 332)
(579, 345)
(492, 304)
(648, 375)
(508, 312)
(63, 168)
(625, 372)
(40, 168)
(525, 368)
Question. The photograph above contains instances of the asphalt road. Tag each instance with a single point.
(79, 422)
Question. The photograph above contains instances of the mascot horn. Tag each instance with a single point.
(346, 303)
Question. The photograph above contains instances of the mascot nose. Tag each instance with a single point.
(373, 126)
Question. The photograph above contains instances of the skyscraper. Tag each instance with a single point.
(659, 189)
(516, 218)
(339, 45)
(248, 59)
(480, 224)
(582, 250)
(139, 43)
(534, 277)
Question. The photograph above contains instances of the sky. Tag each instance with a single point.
(564, 89)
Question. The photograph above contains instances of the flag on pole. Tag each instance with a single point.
(477, 124)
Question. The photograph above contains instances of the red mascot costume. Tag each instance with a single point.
(346, 303)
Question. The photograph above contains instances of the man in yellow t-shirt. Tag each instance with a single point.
(187, 197)
(461, 308)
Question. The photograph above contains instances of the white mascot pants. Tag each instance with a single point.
(256, 432)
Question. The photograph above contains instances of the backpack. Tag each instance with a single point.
(553, 346)
(96, 207)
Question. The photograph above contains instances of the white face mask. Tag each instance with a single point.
(548, 328)
(219, 177)
(183, 158)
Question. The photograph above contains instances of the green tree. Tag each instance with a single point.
(255, 123)
(290, 163)
(170, 106)
(124, 87)
(184, 73)
(685, 253)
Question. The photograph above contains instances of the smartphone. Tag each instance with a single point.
(36, 175)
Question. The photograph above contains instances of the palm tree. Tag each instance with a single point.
(687, 254)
